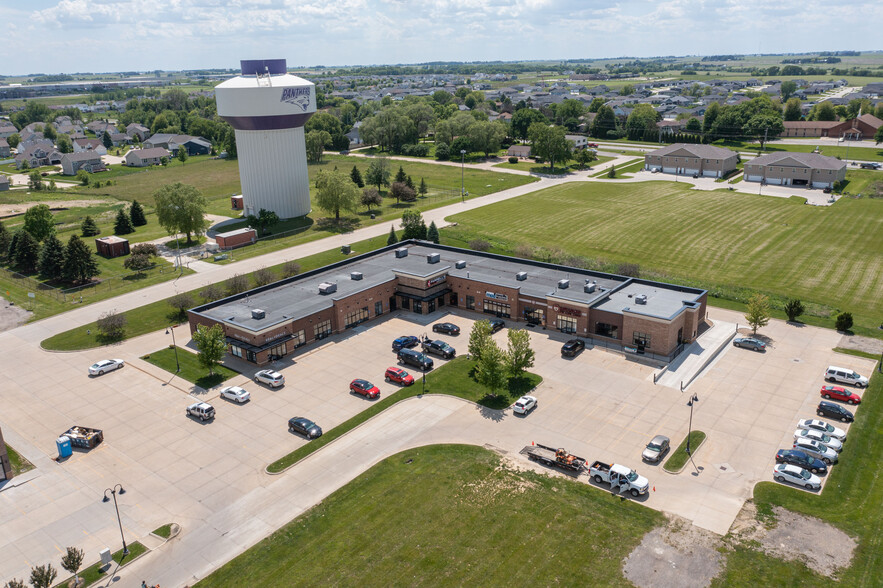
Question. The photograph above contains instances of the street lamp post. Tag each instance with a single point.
(113, 491)
(462, 166)
(175, 346)
(693, 399)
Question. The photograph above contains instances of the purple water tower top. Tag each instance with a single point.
(263, 66)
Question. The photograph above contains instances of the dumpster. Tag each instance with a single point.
(64, 446)
(84, 437)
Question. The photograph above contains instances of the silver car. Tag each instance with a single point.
(656, 448)
(784, 472)
(235, 393)
(816, 449)
(819, 425)
(820, 437)
(271, 378)
(104, 366)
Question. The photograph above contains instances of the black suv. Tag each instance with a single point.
(497, 325)
(415, 358)
(834, 411)
(572, 347)
(440, 348)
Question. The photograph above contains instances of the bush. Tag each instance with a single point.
(111, 325)
(263, 276)
(794, 308)
(479, 245)
(290, 268)
(418, 150)
(843, 321)
(513, 160)
(442, 151)
(145, 249)
(237, 284)
(629, 269)
(212, 292)
(524, 251)
(181, 302)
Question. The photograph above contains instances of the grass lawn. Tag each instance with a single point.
(449, 515)
(861, 181)
(629, 167)
(728, 243)
(455, 378)
(93, 573)
(165, 531)
(533, 167)
(839, 150)
(680, 456)
(191, 370)
(19, 464)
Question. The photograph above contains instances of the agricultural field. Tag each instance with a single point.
(720, 240)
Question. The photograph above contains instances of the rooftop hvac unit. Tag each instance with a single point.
(460, 264)
(563, 284)
(402, 252)
(521, 276)
(589, 287)
(356, 276)
(433, 258)
(327, 287)
(257, 313)
(641, 299)
(345, 249)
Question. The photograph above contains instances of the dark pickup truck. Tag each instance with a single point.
(440, 348)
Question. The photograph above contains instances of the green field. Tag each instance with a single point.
(723, 240)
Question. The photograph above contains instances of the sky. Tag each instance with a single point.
(67, 36)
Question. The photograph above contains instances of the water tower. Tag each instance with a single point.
(268, 108)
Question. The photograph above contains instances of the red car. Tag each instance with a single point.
(838, 393)
(399, 376)
(365, 388)
(592, 145)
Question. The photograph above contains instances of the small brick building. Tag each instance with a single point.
(237, 238)
(112, 246)
(236, 202)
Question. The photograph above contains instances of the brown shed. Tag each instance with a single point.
(112, 246)
(237, 238)
(236, 202)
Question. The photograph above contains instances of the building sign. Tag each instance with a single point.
(274, 337)
(496, 296)
(436, 280)
(567, 311)
(297, 96)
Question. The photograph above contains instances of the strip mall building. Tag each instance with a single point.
(638, 315)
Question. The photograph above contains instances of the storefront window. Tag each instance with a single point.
(470, 302)
(497, 309)
(322, 330)
(250, 356)
(606, 330)
(278, 351)
(236, 350)
(300, 338)
(406, 303)
(378, 308)
(354, 318)
(536, 316)
(566, 324)
(641, 339)
(453, 299)
(418, 307)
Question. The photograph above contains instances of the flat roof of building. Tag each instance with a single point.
(662, 301)
(112, 239)
(241, 231)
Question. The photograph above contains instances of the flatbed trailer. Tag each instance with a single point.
(556, 457)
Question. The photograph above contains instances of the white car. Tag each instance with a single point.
(104, 366)
(235, 393)
(784, 472)
(818, 425)
(820, 437)
(271, 378)
(524, 405)
(816, 449)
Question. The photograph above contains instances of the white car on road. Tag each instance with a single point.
(104, 366)
(784, 472)
(271, 378)
(235, 393)
(524, 405)
(820, 437)
(819, 425)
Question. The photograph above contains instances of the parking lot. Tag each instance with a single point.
(599, 405)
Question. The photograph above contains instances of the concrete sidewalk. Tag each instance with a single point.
(696, 356)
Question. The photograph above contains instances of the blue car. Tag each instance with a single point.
(799, 458)
(405, 342)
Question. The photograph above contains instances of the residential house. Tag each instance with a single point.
(670, 127)
(5, 150)
(119, 139)
(579, 141)
(38, 155)
(94, 145)
(99, 127)
(4, 182)
(690, 159)
(519, 151)
(353, 135)
(146, 157)
(7, 129)
(90, 161)
(796, 169)
(137, 132)
(193, 145)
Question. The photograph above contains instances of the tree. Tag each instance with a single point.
(693, 125)
(491, 369)
(5, 239)
(181, 302)
(180, 208)
(13, 140)
(64, 144)
(238, 283)
(378, 172)
(39, 222)
(605, 120)
(549, 143)
(71, 561)
(758, 314)
(401, 177)
(43, 576)
(792, 109)
(290, 268)
(422, 190)
(336, 192)
(83, 177)
(35, 181)
(522, 119)
(611, 173)
(356, 177)
(264, 220)
(371, 197)
(413, 225)
(711, 115)
(15, 583)
(823, 111)
(479, 338)
(432, 233)
(794, 308)
(442, 151)
(106, 140)
(123, 223)
(400, 191)
(843, 321)
(79, 264)
(148, 249)
(136, 213)
(878, 136)
(788, 88)
(486, 136)
(212, 345)
(138, 263)
(263, 276)
(181, 154)
(519, 355)
(315, 144)
(26, 251)
(584, 157)
(764, 126)
(392, 239)
(51, 261)
(642, 118)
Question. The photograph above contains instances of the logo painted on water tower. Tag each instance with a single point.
(297, 96)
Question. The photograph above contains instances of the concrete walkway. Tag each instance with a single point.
(696, 356)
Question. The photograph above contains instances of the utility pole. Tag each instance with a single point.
(764, 138)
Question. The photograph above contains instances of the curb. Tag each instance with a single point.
(686, 462)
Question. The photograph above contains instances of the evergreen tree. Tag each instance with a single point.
(89, 228)
(356, 176)
(106, 140)
(79, 265)
(27, 252)
(5, 239)
(409, 182)
(136, 213)
(400, 176)
(51, 259)
(392, 236)
(432, 233)
(12, 246)
(422, 189)
(123, 224)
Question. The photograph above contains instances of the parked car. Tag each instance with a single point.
(447, 328)
(834, 411)
(235, 393)
(841, 394)
(271, 378)
(592, 145)
(816, 449)
(440, 348)
(399, 376)
(365, 388)
(405, 342)
(415, 358)
(827, 190)
(497, 325)
(525, 404)
(572, 347)
(201, 410)
(656, 448)
(105, 365)
(784, 472)
(845, 376)
(305, 427)
(871, 165)
(801, 459)
(820, 437)
(749, 343)
(822, 426)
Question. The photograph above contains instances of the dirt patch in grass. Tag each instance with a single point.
(678, 554)
(786, 535)
(859, 343)
(21, 207)
(12, 316)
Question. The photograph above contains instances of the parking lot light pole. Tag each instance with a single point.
(118, 488)
(175, 346)
(462, 166)
(693, 399)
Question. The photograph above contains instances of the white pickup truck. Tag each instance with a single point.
(619, 477)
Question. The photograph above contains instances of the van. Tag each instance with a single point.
(415, 358)
(845, 376)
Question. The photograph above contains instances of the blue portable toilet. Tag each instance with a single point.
(64, 446)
